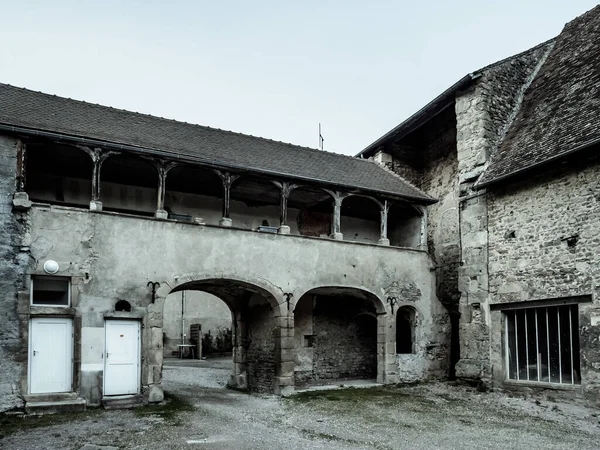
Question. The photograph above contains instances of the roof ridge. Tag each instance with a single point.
(237, 133)
(516, 55)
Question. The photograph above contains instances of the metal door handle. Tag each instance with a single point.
(34, 352)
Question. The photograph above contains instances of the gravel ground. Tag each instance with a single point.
(204, 415)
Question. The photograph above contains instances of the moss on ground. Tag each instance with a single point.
(11, 423)
(168, 410)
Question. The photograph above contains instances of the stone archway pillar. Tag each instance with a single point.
(239, 378)
(386, 348)
(284, 354)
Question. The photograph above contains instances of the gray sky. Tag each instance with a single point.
(271, 68)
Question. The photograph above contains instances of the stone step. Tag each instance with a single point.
(54, 407)
(51, 397)
(122, 401)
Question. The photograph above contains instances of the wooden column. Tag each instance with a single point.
(98, 157)
(336, 230)
(385, 208)
(162, 167)
(285, 189)
(228, 178)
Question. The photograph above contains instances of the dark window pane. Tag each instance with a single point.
(554, 345)
(50, 291)
(521, 346)
(575, 328)
(532, 354)
(565, 344)
(543, 345)
(512, 345)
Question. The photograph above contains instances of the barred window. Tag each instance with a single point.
(542, 344)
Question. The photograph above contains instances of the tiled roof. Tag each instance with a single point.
(38, 111)
(560, 112)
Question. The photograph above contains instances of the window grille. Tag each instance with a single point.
(542, 344)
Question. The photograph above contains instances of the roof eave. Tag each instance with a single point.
(484, 184)
(186, 158)
(430, 110)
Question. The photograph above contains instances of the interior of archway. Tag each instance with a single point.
(237, 322)
(335, 337)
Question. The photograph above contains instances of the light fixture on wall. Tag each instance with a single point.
(51, 267)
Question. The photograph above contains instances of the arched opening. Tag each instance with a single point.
(310, 212)
(360, 219)
(129, 184)
(58, 174)
(404, 225)
(255, 204)
(249, 338)
(194, 192)
(335, 336)
(405, 330)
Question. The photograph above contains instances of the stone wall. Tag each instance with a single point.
(530, 257)
(345, 344)
(13, 264)
(483, 113)
(440, 181)
(260, 355)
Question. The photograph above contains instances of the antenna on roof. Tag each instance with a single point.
(321, 140)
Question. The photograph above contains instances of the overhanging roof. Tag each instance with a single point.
(31, 112)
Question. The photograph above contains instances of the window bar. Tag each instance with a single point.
(559, 347)
(571, 343)
(526, 346)
(507, 349)
(517, 346)
(537, 346)
(548, 345)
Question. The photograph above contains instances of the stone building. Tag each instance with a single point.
(464, 242)
(511, 152)
(105, 213)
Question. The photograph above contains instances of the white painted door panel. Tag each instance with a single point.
(122, 357)
(50, 355)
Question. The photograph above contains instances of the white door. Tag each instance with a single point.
(122, 357)
(50, 355)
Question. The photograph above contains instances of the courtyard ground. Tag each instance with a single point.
(201, 414)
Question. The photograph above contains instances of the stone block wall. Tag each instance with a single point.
(345, 344)
(13, 261)
(530, 257)
(483, 113)
(260, 356)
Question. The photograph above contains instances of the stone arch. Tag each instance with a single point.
(338, 335)
(257, 328)
(272, 293)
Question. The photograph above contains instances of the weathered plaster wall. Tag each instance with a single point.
(483, 112)
(199, 307)
(116, 256)
(13, 264)
(537, 263)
